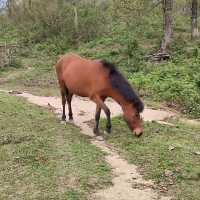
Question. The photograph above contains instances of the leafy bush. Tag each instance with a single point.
(121, 31)
(16, 63)
(46, 20)
(7, 31)
(172, 83)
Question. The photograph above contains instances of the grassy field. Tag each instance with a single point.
(44, 159)
(36, 75)
(166, 154)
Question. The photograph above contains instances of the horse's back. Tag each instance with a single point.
(82, 76)
(64, 61)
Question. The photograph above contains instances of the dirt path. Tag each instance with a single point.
(125, 174)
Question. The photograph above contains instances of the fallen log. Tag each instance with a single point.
(159, 56)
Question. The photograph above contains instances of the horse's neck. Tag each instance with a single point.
(120, 100)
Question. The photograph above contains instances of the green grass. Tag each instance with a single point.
(37, 76)
(152, 154)
(40, 158)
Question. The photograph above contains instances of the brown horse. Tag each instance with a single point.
(98, 79)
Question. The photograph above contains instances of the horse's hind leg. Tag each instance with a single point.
(64, 92)
(69, 100)
(66, 97)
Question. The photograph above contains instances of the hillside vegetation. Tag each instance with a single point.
(124, 32)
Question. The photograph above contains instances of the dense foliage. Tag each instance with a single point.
(121, 31)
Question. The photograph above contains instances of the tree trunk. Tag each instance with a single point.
(194, 25)
(167, 24)
(30, 4)
(60, 4)
(10, 6)
(75, 19)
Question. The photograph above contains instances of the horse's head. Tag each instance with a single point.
(133, 119)
(124, 94)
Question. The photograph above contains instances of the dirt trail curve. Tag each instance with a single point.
(125, 174)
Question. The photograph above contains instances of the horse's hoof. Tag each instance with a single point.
(108, 130)
(70, 118)
(96, 131)
(63, 118)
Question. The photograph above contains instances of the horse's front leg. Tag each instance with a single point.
(100, 103)
(108, 124)
(97, 117)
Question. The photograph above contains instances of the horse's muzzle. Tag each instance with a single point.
(138, 132)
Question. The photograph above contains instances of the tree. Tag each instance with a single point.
(29, 4)
(10, 7)
(194, 25)
(76, 22)
(167, 24)
(60, 3)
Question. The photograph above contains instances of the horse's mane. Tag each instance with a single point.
(119, 83)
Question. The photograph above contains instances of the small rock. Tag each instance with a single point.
(133, 176)
(149, 184)
(163, 189)
(197, 153)
(14, 92)
(171, 182)
(171, 148)
(81, 113)
(168, 173)
(178, 169)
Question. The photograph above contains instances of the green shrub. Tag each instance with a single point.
(46, 21)
(172, 83)
(16, 63)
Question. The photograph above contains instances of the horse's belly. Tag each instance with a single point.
(79, 92)
(79, 87)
